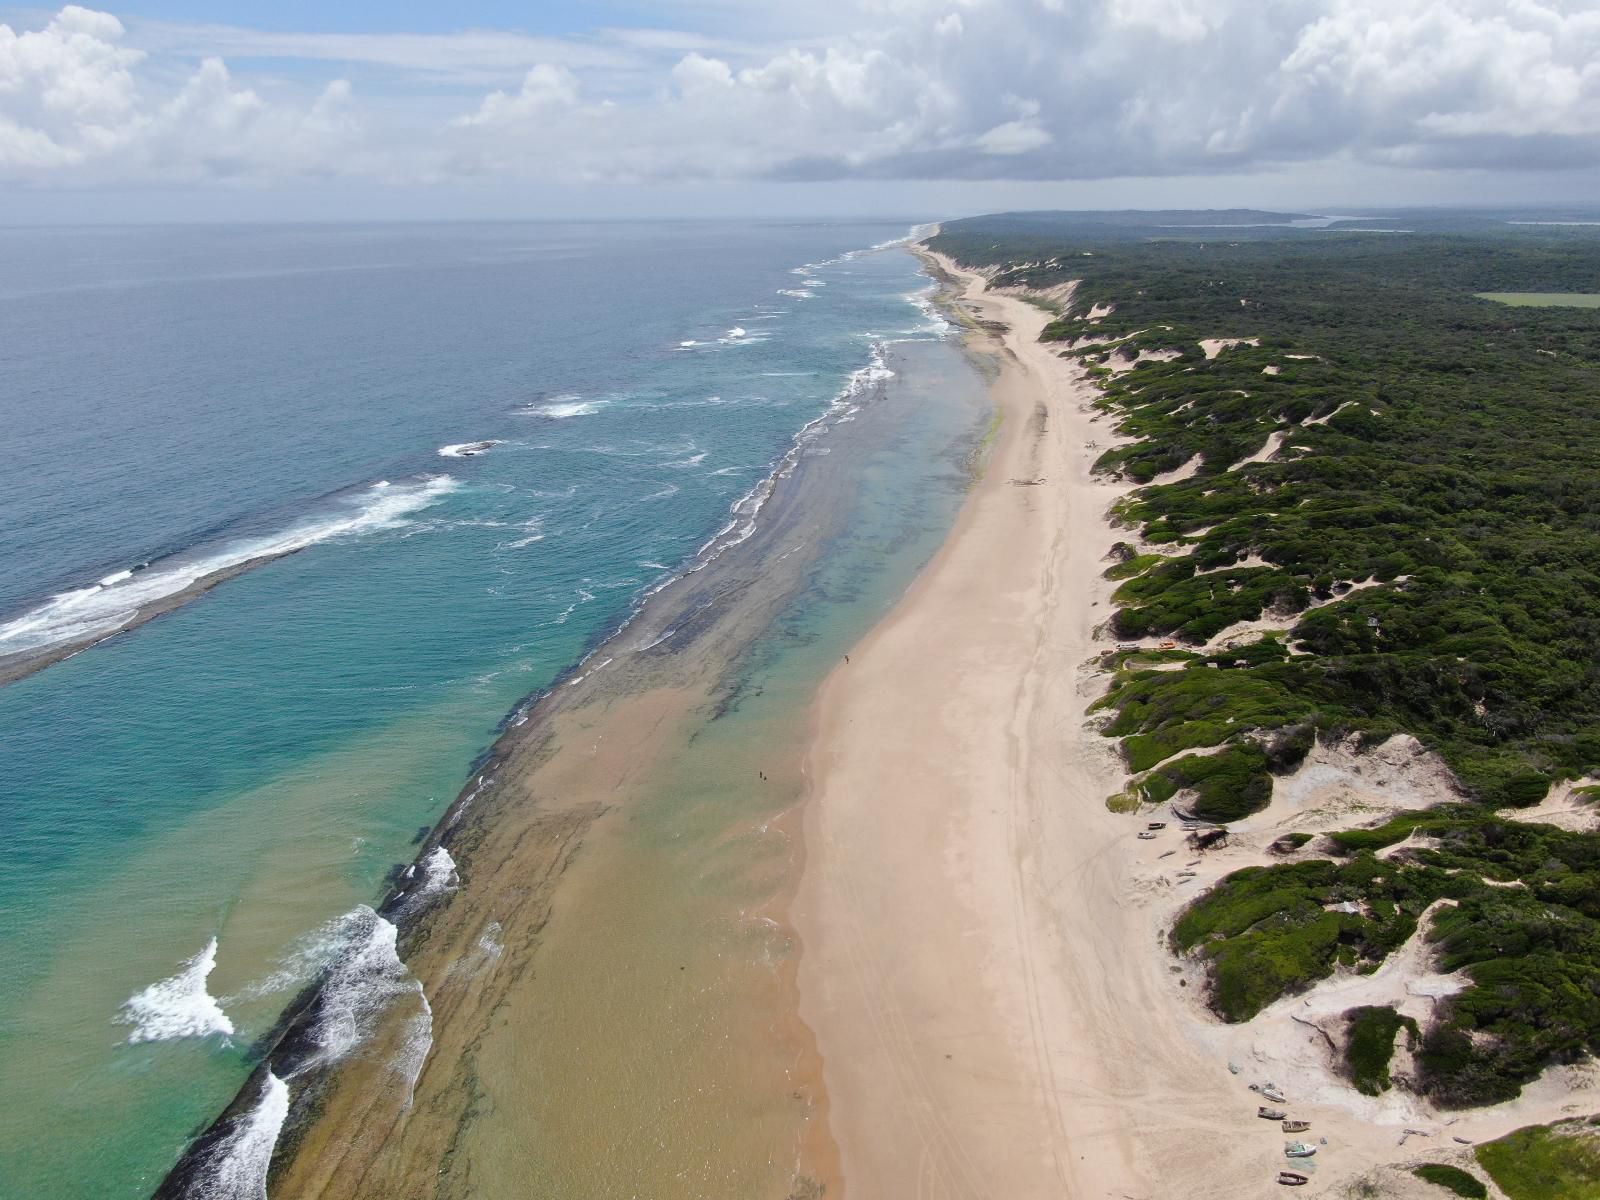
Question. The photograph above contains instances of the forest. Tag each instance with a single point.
(1395, 477)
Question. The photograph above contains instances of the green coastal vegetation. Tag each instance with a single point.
(1369, 1045)
(1387, 521)
(1452, 1179)
(1544, 299)
(1546, 1162)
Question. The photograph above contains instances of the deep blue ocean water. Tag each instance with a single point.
(252, 764)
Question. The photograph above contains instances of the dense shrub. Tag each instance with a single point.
(1451, 463)
(1452, 1179)
(1427, 536)
(1369, 1045)
(1545, 1162)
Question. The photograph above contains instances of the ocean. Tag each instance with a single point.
(432, 467)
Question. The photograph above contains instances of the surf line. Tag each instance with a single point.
(330, 1019)
(72, 621)
(666, 620)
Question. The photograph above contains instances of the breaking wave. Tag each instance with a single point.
(179, 1006)
(745, 510)
(430, 877)
(562, 407)
(114, 601)
(469, 449)
(236, 1168)
(367, 977)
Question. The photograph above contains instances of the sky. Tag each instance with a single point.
(394, 109)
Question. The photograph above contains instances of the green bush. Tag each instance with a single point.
(1457, 456)
(1451, 465)
(1544, 1162)
(1452, 1179)
(1232, 783)
(1369, 1045)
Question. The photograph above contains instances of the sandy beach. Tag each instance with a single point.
(983, 959)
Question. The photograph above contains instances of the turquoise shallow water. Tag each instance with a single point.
(250, 766)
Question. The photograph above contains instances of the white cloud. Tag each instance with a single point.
(544, 89)
(66, 91)
(870, 89)
(695, 73)
(1014, 137)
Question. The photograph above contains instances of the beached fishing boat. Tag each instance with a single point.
(1156, 825)
(1296, 1126)
(1270, 1114)
(1145, 836)
(1299, 1149)
(1293, 1178)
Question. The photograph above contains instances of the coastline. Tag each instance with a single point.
(935, 970)
(985, 964)
(553, 843)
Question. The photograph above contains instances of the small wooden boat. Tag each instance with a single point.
(1293, 1179)
(1156, 825)
(1270, 1114)
(1299, 1149)
(1296, 1126)
(1269, 1094)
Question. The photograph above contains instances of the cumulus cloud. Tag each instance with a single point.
(72, 106)
(545, 88)
(875, 89)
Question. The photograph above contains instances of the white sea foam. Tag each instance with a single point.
(744, 511)
(568, 408)
(797, 293)
(409, 1061)
(308, 957)
(110, 604)
(365, 980)
(654, 642)
(237, 1167)
(491, 944)
(469, 449)
(923, 302)
(436, 874)
(532, 531)
(179, 1006)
